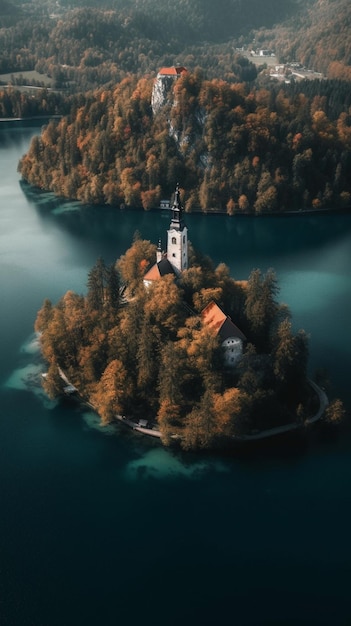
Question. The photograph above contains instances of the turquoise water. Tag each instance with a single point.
(103, 527)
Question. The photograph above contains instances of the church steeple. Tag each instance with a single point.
(177, 210)
(177, 243)
(159, 252)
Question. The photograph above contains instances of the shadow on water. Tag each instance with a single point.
(286, 450)
(106, 227)
(269, 235)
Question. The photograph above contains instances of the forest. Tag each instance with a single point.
(237, 142)
(15, 103)
(318, 36)
(82, 45)
(146, 353)
(85, 48)
(235, 148)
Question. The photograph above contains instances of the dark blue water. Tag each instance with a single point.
(104, 528)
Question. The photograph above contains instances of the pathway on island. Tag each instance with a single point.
(139, 426)
(142, 425)
(280, 430)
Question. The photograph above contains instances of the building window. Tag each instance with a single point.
(174, 240)
(183, 238)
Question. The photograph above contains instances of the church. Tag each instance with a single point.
(174, 261)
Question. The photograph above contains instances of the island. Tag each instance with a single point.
(176, 348)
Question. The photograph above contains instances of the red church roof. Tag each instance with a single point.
(158, 270)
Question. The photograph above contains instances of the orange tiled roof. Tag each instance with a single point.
(172, 71)
(153, 273)
(213, 316)
(160, 269)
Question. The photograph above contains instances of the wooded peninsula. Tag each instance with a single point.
(237, 148)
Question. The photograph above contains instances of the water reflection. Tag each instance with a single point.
(235, 239)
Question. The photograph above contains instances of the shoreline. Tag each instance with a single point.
(280, 430)
(142, 426)
(196, 211)
(32, 118)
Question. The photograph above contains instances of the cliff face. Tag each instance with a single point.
(161, 92)
(187, 131)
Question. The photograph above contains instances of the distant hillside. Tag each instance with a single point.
(8, 13)
(82, 47)
(6, 8)
(319, 36)
(199, 20)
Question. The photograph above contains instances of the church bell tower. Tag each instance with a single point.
(177, 241)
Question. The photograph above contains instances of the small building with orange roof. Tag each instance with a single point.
(232, 338)
(174, 72)
(163, 85)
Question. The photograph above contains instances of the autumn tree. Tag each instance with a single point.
(124, 339)
(164, 305)
(96, 285)
(44, 315)
(227, 410)
(172, 372)
(112, 286)
(200, 431)
(204, 355)
(52, 381)
(261, 307)
(147, 358)
(335, 412)
(134, 263)
(290, 360)
(172, 387)
(112, 393)
(230, 206)
(169, 422)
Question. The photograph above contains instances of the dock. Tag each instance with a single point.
(141, 426)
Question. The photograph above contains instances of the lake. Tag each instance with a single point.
(106, 527)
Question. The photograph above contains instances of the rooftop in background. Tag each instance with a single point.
(176, 70)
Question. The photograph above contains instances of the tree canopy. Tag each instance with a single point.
(235, 149)
(80, 46)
